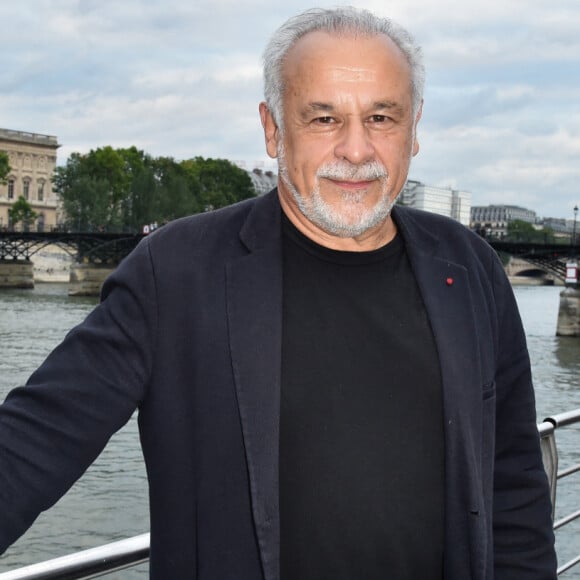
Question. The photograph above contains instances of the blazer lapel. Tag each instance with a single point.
(445, 287)
(254, 294)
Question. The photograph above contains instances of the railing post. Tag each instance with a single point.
(550, 458)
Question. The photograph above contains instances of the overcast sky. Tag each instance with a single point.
(182, 78)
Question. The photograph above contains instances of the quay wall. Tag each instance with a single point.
(569, 312)
(54, 264)
(87, 279)
(16, 274)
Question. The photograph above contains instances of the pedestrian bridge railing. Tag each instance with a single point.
(104, 560)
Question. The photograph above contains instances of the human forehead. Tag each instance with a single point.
(344, 57)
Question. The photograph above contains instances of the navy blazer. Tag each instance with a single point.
(189, 331)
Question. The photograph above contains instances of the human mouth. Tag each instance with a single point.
(349, 175)
(351, 185)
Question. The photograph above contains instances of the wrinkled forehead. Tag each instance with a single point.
(347, 51)
(347, 58)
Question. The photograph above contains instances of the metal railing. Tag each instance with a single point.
(547, 430)
(133, 551)
(87, 564)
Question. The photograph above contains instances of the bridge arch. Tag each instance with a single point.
(517, 266)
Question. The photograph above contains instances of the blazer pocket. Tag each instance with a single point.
(488, 391)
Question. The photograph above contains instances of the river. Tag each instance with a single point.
(110, 501)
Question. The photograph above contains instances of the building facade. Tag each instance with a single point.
(32, 159)
(493, 220)
(263, 181)
(561, 226)
(443, 201)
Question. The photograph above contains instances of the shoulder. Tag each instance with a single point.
(200, 226)
(218, 231)
(432, 236)
(431, 230)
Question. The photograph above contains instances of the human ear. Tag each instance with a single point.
(415, 123)
(271, 131)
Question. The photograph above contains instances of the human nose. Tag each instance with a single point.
(354, 144)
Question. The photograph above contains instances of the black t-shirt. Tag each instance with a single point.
(361, 433)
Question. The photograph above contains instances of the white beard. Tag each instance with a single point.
(350, 218)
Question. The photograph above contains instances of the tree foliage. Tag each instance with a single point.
(4, 166)
(123, 189)
(521, 231)
(21, 212)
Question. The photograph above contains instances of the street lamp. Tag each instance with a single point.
(574, 227)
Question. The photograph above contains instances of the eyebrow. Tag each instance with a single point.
(391, 106)
(321, 107)
(318, 108)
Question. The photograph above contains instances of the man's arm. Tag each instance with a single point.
(52, 429)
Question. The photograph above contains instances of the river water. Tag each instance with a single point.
(110, 501)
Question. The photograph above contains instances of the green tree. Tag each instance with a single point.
(217, 182)
(85, 197)
(86, 204)
(4, 167)
(176, 196)
(521, 231)
(21, 212)
(125, 189)
(98, 189)
(141, 205)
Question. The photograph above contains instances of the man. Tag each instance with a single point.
(328, 386)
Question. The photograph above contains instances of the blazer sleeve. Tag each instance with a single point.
(53, 428)
(522, 524)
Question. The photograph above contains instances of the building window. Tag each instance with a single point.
(26, 189)
(11, 189)
(41, 191)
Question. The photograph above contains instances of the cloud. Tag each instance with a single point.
(183, 78)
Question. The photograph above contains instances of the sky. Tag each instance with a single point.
(182, 78)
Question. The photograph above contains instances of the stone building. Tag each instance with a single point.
(32, 159)
(493, 220)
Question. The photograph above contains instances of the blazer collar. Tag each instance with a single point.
(254, 310)
(262, 228)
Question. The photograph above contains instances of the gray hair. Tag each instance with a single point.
(344, 20)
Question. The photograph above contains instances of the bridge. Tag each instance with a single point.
(111, 248)
(550, 258)
(105, 250)
(91, 247)
(553, 258)
(95, 255)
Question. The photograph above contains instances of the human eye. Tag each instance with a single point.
(326, 120)
(378, 119)
(380, 122)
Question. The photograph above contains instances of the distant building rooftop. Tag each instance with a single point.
(263, 181)
(26, 137)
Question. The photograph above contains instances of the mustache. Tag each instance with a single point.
(343, 170)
